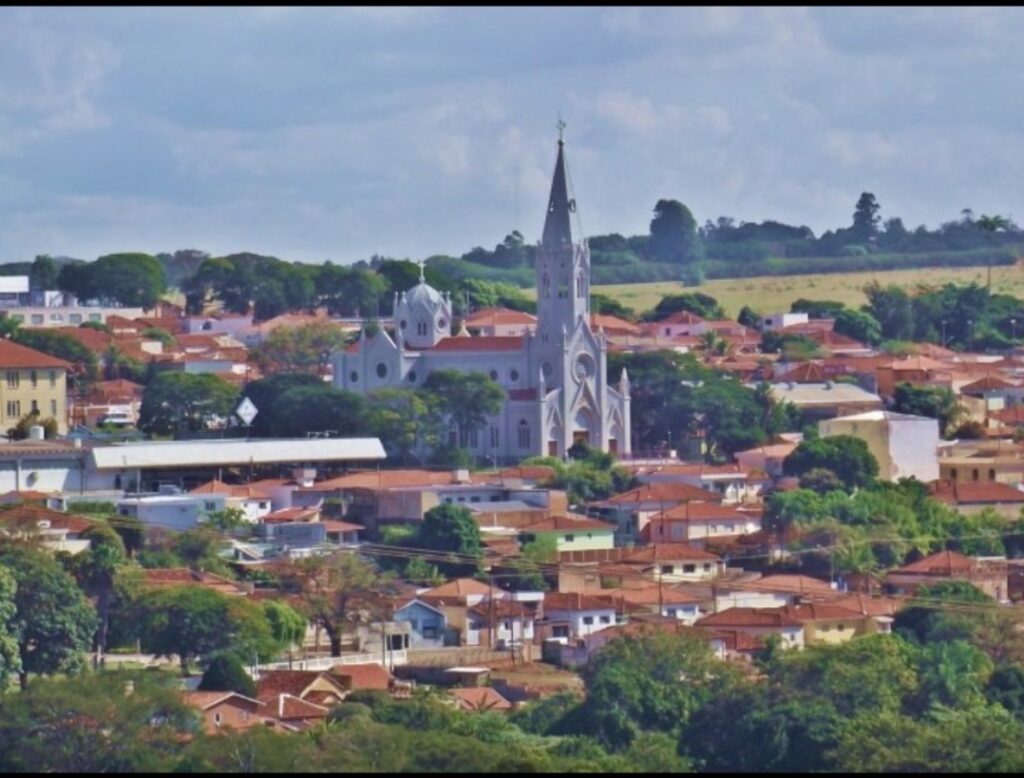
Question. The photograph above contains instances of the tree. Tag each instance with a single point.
(43, 274)
(305, 349)
(191, 621)
(698, 303)
(452, 528)
(846, 456)
(404, 420)
(95, 571)
(178, 402)
(937, 402)
(865, 217)
(226, 674)
(859, 326)
(820, 480)
(99, 722)
(673, 232)
(654, 682)
(465, 398)
(10, 658)
(892, 308)
(991, 225)
(287, 625)
(338, 591)
(226, 520)
(320, 408)
(20, 431)
(159, 333)
(265, 394)
(53, 621)
(129, 279)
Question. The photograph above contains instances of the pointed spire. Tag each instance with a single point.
(624, 383)
(557, 229)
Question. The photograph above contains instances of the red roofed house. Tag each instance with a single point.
(630, 510)
(57, 531)
(698, 522)
(759, 622)
(554, 377)
(832, 623)
(674, 562)
(575, 614)
(480, 698)
(503, 322)
(972, 496)
(283, 690)
(571, 533)
(988, 575)
(32, 382)
(368, 675)
(223, 711)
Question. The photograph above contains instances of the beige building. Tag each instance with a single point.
(905, 446)
(32, 382)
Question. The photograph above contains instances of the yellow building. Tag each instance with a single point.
(32, 382)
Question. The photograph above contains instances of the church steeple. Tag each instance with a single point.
(563, 264)
(557, 227)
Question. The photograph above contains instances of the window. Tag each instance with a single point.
(494, 375)
(76, 318)
(991, 474)
(56, 317)
(403, 324)
(513, 374)
(382, 370)
(494, 436)
(216, 719)
(689, 568)
(474, 499)
(412, 376)
(606, 619)
(53, 378)
(707, 567)
(36, 318)
(952, 474)
(421, 328)
(95, 317)
(671, 612)
(34, 378)
(14, 409)
(524, 434)
(210, 506)
(508, 626)
(13, 380)
(53, 408)
(429, 632)
(667, 569)
(353, 376)
(441, 324)
(560, 632)
(35, 408)
(579, 285)
(569, 538)
(974, 473)
(588, 620)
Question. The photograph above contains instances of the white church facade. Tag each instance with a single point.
(554, 377)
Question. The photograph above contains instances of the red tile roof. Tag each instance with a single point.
(363, 676)
(988, 383)
(662, 492)
(497, 316)
(289, 708)
(699, 512)
(799, 584)
(749, 617)
(944, 563)
(14, 355)
(657, 552)
(272, 683)
(567, 523)
(481, 343)
(820, 611)
(975, 492)
(575, 601)
(480, 698)
(460, 587)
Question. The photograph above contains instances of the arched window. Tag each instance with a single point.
(524, 433)
(546, 285)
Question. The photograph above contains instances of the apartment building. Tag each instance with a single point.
(32, 382)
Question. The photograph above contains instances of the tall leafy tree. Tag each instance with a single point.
(404, 420)
(674, 235)
(320, 408)
(53, 622)
(129, 279)
(339, 592)
(865, 217)
(304, 349)
(191, 621)
(465, 398)
(96, 572)
(451, 528)
(10, 657)
(846, 456)
(178, 402)
(937, 402)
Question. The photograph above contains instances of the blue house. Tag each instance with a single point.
(426, 623)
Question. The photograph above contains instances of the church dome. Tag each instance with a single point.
(423, 293)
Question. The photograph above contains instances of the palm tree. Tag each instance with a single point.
(991, 225)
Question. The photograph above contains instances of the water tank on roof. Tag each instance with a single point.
(36, 432)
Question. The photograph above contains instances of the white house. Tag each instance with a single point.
(905, 446)
(584, 614)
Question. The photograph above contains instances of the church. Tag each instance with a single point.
(555, 377)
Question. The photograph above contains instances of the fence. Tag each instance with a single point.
(398, 657)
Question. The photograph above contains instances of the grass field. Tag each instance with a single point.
(774, 294)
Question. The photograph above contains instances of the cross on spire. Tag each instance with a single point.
(560, 126)
(421, 263)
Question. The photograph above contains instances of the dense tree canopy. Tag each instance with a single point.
(178, 402)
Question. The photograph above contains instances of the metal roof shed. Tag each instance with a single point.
(226, 452)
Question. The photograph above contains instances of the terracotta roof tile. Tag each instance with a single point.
(14, 355)
(749, 617)
(363, 676)
(480, 698)
(566, 523)
(481, 343)
(944, 563)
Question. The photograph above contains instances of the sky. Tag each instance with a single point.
(339, 133)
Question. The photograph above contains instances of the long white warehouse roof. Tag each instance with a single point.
(219, 452)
